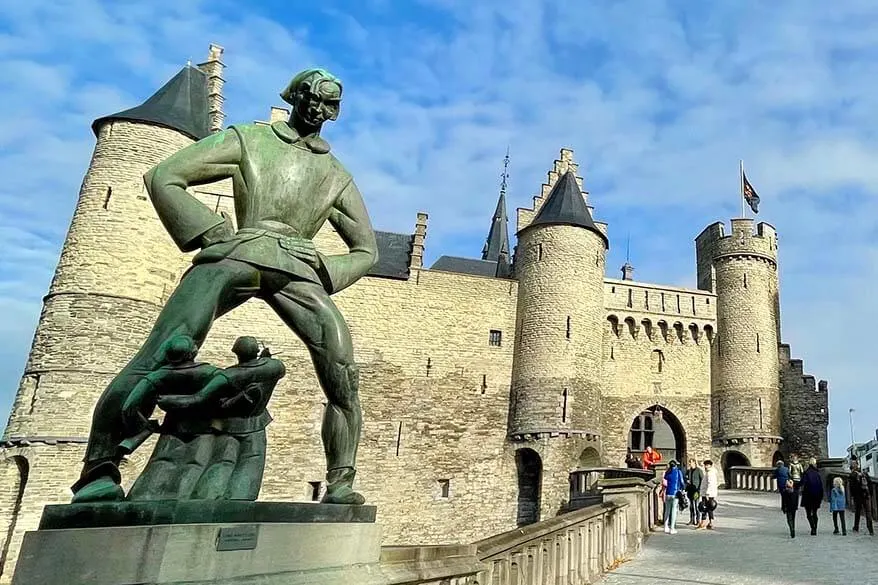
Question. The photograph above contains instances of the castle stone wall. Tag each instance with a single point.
(647, 362)
(804, 409)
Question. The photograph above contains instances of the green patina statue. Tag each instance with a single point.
(212, 443)
(286, 186)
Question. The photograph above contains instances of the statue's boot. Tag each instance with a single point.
(339, 489)
(99, 484)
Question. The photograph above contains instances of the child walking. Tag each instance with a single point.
(837, 505)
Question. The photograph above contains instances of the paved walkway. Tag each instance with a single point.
(751, 545)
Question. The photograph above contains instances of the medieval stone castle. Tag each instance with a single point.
(484, 381)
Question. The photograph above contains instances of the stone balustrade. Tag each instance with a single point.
(754, 479)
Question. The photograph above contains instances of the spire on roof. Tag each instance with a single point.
(627, 269)
(180, 104)
(497, 245)
(565, 205)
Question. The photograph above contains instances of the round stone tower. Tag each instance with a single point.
(117, 266)
(741, 268)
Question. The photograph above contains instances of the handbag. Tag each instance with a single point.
(682, 500)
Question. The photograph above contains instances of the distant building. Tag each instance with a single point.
(484, 381)
(866, 454)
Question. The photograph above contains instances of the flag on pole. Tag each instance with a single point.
(750, 195)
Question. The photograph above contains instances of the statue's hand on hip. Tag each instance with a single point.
(219, 233)
(303, 249)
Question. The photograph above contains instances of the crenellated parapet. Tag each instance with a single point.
(804, 407)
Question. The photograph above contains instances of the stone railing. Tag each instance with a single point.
(431, 565)
(574, 548)
(754, 479)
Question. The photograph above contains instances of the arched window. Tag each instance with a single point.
(658, 361)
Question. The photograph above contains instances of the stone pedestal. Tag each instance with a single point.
(145, 543)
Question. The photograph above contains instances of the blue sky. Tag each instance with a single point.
(659, 100)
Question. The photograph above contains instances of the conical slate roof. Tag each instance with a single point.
(181, 104)
(497, 245)
(566, 206)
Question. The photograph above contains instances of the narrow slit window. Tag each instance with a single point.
(663, 302)
(398, 438)
(444, 488)
(107, 197)
(315, 487)
(760, 413)
(484, 382)
(564, 406)
(539, 251)
(630, 298)
(745, 280)
(757, 343)
(646, 299)
(568, 326)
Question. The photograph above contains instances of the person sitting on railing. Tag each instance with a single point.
(650, 458)
(782, 475)
(631, 460)
(858, 484)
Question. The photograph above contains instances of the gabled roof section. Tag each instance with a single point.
(471, 266)
(180, 104)
(565, 205)
(394, 255)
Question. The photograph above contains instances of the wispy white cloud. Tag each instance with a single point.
(658, 99)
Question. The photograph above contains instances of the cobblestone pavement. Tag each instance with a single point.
(751, 545)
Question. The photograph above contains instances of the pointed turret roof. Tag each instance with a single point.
(180, 104)
(565, 205)
(497, 245)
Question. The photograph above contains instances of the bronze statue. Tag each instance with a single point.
(212, 443)
(286, 185)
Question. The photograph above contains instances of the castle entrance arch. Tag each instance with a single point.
(778, 456)
(530, 480)
(659, 428)
(732, 459)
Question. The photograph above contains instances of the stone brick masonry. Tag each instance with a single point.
(445, 411)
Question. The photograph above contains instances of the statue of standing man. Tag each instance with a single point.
(286, 185)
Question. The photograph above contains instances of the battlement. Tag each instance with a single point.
(674, 302)
(715, 244)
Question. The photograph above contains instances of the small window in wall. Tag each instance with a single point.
(678, 304)
(646, 299)
(564, 396)
(757, 343)
(630, 297)
(760, 413)
(495, 338)
(693, 305)
(444, 488)
(745, 280)
(315, 488)
(658, 361)
(663, 303)
(568, 326)
(539, 251)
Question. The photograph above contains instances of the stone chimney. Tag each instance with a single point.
(418, 241)
(213, 67)
(627, 272)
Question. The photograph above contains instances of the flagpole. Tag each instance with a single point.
(741, 180)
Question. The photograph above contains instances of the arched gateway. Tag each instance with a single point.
(659, 428)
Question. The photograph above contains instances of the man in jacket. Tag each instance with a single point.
(694, 475)
(858, 486)
(812, 493)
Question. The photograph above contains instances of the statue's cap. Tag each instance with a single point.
(289, 94)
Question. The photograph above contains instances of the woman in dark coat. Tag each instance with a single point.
(790, 505)
(812, 493)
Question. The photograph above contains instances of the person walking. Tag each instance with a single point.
(709, 491)
(812, 493)
(790, 505)
(837, 505)
(781, 476)
(796, 470)
(675, 489)
(858, 484)
(694, 475)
